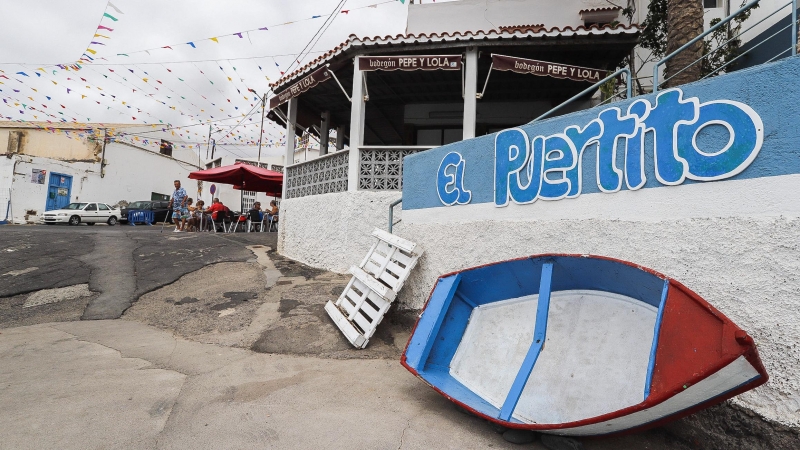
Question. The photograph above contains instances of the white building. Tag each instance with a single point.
(46, 166)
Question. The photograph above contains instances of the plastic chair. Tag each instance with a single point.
(255, 218)
(273, 220)
(236, 220)
(219, 222)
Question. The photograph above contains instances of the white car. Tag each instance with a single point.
(89, 213)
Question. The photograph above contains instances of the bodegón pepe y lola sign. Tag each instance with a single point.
(549, 167)
(303, 85)
(408, 63)
(546, 69)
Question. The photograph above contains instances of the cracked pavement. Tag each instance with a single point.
(204, 341)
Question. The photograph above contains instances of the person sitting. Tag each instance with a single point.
(196, 216)
(217, 210)
(255, 216)
(186, 214)
(272, 213)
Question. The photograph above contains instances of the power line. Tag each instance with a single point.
(161, 62)
(264, 28)
(331, 17)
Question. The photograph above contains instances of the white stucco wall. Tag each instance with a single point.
(738, 250)
(745, 264)
(332, 231)
(130, 174)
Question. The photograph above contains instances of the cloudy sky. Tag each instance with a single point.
(182, 85)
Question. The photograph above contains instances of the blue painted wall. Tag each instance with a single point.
(772, 90)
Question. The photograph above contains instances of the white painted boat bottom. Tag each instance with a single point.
(735, 374)
(594, 361)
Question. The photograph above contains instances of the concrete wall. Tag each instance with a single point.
(50, 145)
(734, 241)
(332, 231)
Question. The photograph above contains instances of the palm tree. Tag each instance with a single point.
(684, 23)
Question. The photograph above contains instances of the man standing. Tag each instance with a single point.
(178, 205)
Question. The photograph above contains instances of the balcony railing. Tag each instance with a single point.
(381, 167)
(318, 176)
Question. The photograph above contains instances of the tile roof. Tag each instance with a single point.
(512, 32)
(523, 28)
(609, 8)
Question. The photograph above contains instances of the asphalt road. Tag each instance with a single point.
(238, 353)
(120, 263)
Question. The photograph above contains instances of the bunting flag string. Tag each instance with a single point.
(246, 89)
(126, 103)
(212, 83)
(84, 83)
(17, 103)
(117, 97)
(169, 89)
(86, 57)
(143, 90)
(193, 43)
(149, 84)
(228, 98)
(190, 87)
(74, 119)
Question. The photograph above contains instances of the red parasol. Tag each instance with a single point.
(243, 176)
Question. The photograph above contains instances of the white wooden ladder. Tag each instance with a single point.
(375, 284)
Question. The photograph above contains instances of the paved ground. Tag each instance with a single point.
(206, 341)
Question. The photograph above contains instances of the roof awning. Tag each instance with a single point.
(598, 47)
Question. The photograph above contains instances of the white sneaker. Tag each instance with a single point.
(176, 230)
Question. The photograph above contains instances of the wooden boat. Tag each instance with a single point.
(578, 345)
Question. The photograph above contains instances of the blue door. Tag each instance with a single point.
(58, 191)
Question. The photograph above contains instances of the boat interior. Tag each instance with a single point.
(542, 340)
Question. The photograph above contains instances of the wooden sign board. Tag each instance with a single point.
(546, 69)
(410, 63)
(309, 81)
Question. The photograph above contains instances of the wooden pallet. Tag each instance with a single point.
(375, 284)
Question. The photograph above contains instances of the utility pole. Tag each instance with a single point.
(103, 156)
(261, 134)
(208, 144)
